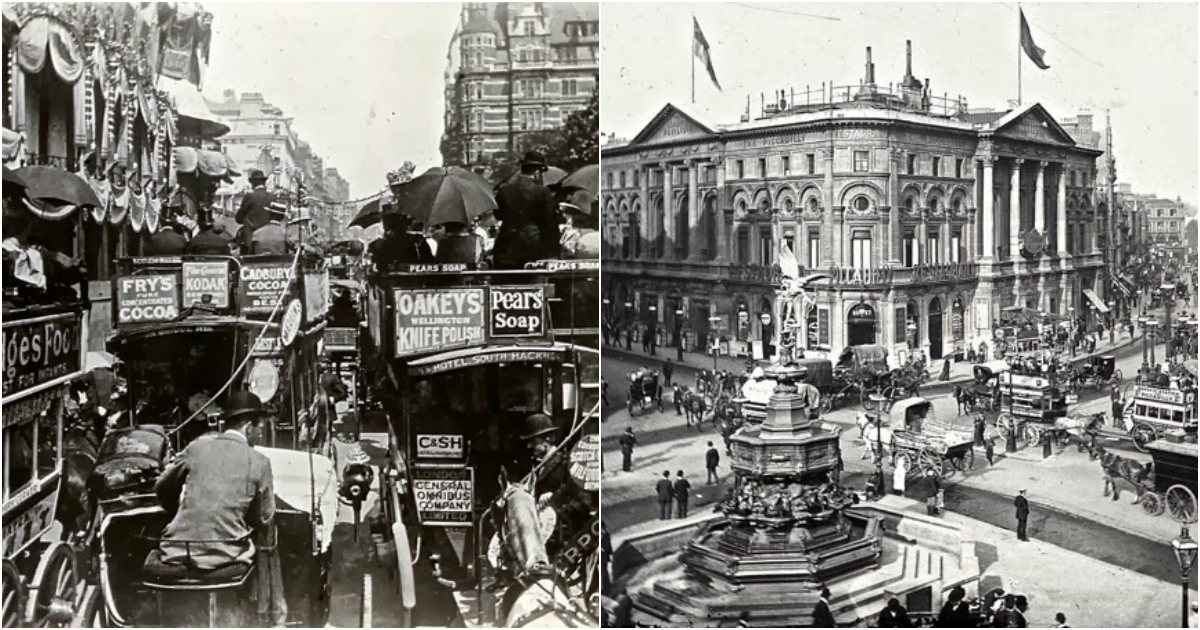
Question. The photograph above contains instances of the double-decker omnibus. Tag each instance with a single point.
(492, 393)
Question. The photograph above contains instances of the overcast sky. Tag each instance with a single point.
(1137, 59)
(363, 82)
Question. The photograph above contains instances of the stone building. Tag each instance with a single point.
(516, 69)
(1164, 219)
(928, 222)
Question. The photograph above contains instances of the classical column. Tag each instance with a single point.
(895, 226)
(989, 209)
(827, 235)
(839, 236)
(645, 222)
(668, 223)
(969, 231)
(887, 217)
(722, 217)
(754, 238)
(1014, 210)
(1060, 203)
(694, 248)
(923, 238)
(1039, 199)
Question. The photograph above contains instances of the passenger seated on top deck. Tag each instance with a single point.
(229, 494)
(210, 241)
(168, 240)
(580, 237)
(272, 238)
(398, 246)
(459, 245)
(529, 231)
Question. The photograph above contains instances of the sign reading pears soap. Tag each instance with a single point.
(517, 311)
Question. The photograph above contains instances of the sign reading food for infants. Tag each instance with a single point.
(445, 497)
(263, 286)
(206, 278)
(517, 312)
(150, 298)
(438, 319)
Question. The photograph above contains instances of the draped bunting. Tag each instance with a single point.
(43, 37)
(119, 205)
(137, 210)
(104, 192)
(153, 210)
(14, 146)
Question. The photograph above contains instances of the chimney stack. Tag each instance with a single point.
(870, 68)
(908, 58)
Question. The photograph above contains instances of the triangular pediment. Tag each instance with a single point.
(672, 124)
(1033, 123)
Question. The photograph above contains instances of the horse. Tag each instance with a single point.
(1083, 428)
(694, 407)
(1116, 467)
(965, 399)
(81, 447)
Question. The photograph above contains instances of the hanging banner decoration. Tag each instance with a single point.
(316, 296)
(263, 285)
(517, 311)
(39, 351)
(438, 319)
(444, 497)
(206, 278)
(150, 298)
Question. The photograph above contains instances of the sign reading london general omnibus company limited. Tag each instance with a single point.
(429, 320)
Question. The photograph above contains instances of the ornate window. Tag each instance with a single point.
(861, 203)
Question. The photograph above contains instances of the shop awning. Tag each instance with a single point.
(1096, 301)
(194, 115)
(211, 163)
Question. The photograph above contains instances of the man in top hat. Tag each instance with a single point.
(167, 241)
(253, 212)
(529, 231)
(272, 238)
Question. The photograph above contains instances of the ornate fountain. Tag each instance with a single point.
(785, 531)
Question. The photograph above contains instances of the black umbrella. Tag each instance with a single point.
(369, 215)
(12, 179)
(445, 195)
(48, 182)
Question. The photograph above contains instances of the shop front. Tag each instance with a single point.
(861, 325)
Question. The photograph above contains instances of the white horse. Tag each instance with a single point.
(874, 436)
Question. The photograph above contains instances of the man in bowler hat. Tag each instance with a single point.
(1022, 505)
(272, 238)
(529, 231)
(666, 492)
(252, 214)
(682, 489)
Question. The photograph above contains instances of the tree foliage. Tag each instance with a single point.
(578, 142)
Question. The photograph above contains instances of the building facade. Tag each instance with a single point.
(1164, 220)
(516, 69)
(926, 221)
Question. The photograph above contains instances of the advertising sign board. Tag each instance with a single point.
(41, 350)
(517, 311)
(206, 278)
(149, 298)
(445, 497)
(263, 286)
(438, 319)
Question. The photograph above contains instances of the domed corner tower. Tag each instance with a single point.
(786, 531)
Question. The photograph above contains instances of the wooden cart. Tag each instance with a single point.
(924, 443)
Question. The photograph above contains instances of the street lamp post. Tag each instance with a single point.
(679, 334)
(1168, 292)
(628, 328)
(1074, 324)
(911, 338)
(1153, 324)
(1185, 554)
(716, 347)
(1112, 323)
(1142, 320)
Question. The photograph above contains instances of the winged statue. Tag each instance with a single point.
(795, 299)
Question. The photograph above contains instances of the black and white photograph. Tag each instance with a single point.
(897, 314)
(301, 315)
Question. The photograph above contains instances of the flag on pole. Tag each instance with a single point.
(1037, 55)
(700, 49)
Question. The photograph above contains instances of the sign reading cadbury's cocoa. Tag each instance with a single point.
(41, 350)
(428, 320)
(263, 286)
(149, 298)
(517, 312)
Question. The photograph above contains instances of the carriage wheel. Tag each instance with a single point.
(967, 461)
(59, 582)
(1032, 434)
(931, 460)
(91, 609)
(864, 399)
(15, 595)
(1143, 435)
(905, 459)
(1152, 503)
(1181, 504)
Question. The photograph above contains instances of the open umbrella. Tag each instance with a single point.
(14, 186)
(586, 178)
(445, 195)
(552, 176)
(369, 214)
(48, 182)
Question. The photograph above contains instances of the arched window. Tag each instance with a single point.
(933, 205)
(813, 205)
(910, 203)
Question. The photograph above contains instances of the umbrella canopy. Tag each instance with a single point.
(12, 179)
(553, 175)
(368, 215)
(48, 182)
(586, 178)
(445, 195)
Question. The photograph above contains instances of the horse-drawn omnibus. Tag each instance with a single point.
(491, 387)
(44, 351)
(1028, 404)
(1152, 411)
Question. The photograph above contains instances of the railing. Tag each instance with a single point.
(883, 96)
